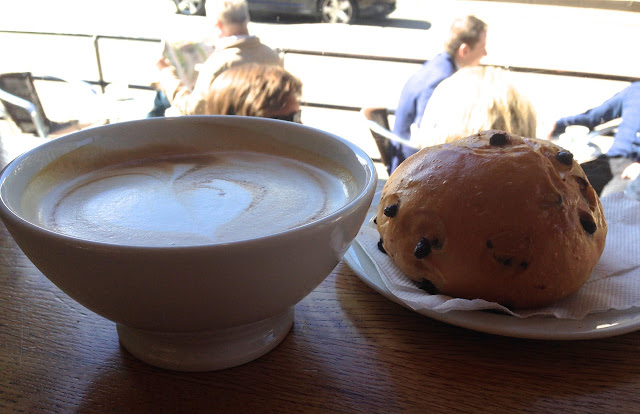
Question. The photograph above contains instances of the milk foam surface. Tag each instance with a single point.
(187, 200)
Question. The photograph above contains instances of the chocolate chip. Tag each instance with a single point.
(588, 225)
(428, 287)
(582, 183)
(505, 260)
(381, 246)
(524, 265)
(490, 244)
(498, 139)
(565, 157)
(423, 248)
(391, 210)
(587, 192)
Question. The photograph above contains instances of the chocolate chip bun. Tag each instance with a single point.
(493, 216)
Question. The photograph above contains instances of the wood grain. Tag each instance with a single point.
(350, 350)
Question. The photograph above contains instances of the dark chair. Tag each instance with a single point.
(393, 149)
(23, 107)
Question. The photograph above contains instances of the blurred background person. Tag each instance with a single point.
(235, 46)
(466, 46)
(266, 91)
(612, 172)
(475, 99)
(633, 189)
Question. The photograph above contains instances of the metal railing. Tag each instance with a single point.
(390, 59)
(285, 51)
(96, 47)
(599, 76)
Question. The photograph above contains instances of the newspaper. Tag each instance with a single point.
(187, 56)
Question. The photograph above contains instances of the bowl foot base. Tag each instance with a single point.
(206, 351)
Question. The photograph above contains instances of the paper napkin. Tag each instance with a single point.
(613, 284)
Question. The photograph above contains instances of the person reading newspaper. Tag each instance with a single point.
(234, 46)
(186, 56)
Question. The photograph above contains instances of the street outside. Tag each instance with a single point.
(575, 39)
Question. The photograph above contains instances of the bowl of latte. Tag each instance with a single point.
(197, 235)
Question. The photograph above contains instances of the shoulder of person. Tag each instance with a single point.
(440, 63)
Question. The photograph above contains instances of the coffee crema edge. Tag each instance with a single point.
(87, 160)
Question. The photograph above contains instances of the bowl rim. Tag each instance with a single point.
(363, 159)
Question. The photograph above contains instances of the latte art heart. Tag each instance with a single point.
(187, 200)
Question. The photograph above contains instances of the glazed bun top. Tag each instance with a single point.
(493, 216)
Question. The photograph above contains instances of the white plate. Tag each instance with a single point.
(595, 325)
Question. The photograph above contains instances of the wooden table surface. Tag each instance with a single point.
(350, 350)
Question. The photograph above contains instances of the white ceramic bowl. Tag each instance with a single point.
(200, 307)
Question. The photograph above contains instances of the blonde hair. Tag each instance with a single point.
(475, 99)
(228, 12)
(252, 89)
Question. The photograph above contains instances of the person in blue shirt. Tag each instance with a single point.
(612, 172)
(466, 46)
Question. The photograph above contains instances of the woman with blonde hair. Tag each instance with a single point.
(475, 99)
(266, 91)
